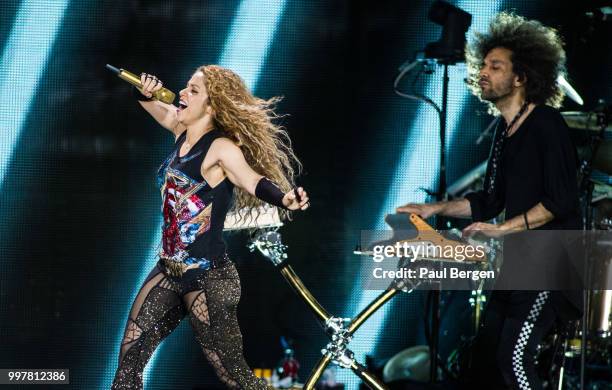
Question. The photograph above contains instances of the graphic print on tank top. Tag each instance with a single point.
(186, 215)
(187, 206)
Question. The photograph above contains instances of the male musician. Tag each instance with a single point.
(531, 174)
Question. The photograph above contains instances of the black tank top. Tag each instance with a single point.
(194, 213)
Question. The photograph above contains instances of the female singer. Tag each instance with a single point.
(227, 153)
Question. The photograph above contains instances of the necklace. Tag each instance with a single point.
(188, 144)
(516, 118)
(498, 146)
(186, 147)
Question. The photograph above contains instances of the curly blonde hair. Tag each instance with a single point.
(248, 121)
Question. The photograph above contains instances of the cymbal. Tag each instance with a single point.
(584, 120)
(601, 191)
(469, 181)
(411, 363)
(603, 158)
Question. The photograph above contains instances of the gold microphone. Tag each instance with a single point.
(163, 95)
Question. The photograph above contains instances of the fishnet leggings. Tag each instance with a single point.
(210, 300)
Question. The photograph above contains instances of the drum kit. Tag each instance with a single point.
(591, 133)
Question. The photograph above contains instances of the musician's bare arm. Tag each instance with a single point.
(458, 208)
(537, 216)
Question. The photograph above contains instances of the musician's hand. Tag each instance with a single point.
(424, 210)
(290, 200)
(150, 84)
(488, 229)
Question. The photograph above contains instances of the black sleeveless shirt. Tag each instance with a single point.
(193, 212)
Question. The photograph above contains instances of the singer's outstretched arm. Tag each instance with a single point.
(164, 114)
(230, 158)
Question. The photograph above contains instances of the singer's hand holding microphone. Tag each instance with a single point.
(147, 84)
(150, 85)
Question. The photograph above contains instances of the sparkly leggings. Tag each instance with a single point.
(210, 298)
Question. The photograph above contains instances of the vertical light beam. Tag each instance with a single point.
(250, 37)
(420, 158)
(23, 60)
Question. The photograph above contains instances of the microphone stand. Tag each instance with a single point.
(440, 224)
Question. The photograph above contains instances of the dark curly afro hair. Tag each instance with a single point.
(537, 56)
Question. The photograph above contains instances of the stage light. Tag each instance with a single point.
(21, 66)
(245, 51)
(455, 22)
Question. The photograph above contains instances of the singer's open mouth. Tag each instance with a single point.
(182, 105)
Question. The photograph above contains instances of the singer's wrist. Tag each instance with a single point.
(139, 96)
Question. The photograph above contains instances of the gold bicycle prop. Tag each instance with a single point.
(339, 330)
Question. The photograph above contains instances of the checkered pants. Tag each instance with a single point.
(503, 356)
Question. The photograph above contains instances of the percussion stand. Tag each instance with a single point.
(339, 330)
(440, 224)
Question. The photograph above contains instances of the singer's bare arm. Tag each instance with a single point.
(458, 208)
(164, 114)
(224, 158)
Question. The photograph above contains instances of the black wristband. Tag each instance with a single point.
(139, 96)
(269, 193)
(526, 222)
